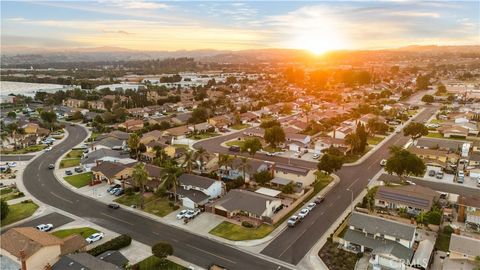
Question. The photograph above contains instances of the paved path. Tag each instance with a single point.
(16, 157)
(42, 185)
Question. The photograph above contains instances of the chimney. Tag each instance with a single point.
(23, 259)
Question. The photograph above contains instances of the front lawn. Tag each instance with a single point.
(240, 126)
(154, 263)
(79, 180)
(271, 149)
(236, 232)
(349, 158)
(375, 140)
(434, 135)
(71, 162)
(235, 143)
(443, 239)
(94, 136)
(18, 212)
(83, 231)
(154, 205)
(202, 136)
(337, 259)
(10, 194)
(28, 149)
(74, 154)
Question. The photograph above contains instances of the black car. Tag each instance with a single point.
(234, 148)
(112, 187)
(68, 172)
(78, 169)
(113, 205)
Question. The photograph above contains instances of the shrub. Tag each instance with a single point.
(360, 255)
(448, 230)
(4, 209)
(247, 224)
(170, 204)
(26, 201)
(114, 244)
(20, 194)
(129, 191)
(176, 207)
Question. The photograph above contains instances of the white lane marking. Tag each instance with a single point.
(354, 181)
(156, 233)
(293, 242)
(121, 220)
(211, 254)
(61, 198)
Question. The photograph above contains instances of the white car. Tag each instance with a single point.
(182, 214)
(12, 164)
(94, 238)
(311, 205)
(189, 214)
(48, 149)
(316, 156)
(303, 213)
(44, 227)
(383, 162)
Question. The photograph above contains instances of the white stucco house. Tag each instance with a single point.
(195, 191)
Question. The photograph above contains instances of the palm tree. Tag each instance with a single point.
(224, 161)
(140, 176)
(170, 177)
(244, 165)
(201, 155)
(188, 160)
(133, 143)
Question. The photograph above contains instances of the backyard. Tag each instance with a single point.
(79, 180)
(18, 212)
(83, 231)
(154, 263)
(154, 204)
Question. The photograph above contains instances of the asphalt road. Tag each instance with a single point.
(294, 243)
(56, 219)
(42, 184)
(15, 157)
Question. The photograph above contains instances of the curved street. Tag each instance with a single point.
(42, 184)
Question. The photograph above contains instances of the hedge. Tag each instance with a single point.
(114, 244)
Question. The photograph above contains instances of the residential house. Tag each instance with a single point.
(233, 171)
(154, 135)
(469, 211)
(297, 142)
(117, 134)
(389, 242)
(255, 132)
(242, 202)
(181, 118)
(450, 131)
(31, 128)
(248, 117)
(177, 133)
(74, 103)
(342, 131)
(195, 191)
(367, 117)
(413, 198)
(463, 251)
(32, 249)
(440, 144)
(323, 143)
(110, 143)
(154, 178)
(96, 104)
(131, 125)
(112, 172)
(221, 121)
(439, 158)
(85, 261)
(91, 159)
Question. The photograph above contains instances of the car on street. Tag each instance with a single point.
(113, 187)
(78, 169)
(182, 214)
(311, 205)
(410, 183)
(432, 173)
(68, 172)
(439, 175)
(94, 237)
(383, 162)
(48, 149)
(234, 148)
(319, 199)
(293, 221)
(12, 164)
(303, 213)
(44, 227)
(113, 205)
(51, 166)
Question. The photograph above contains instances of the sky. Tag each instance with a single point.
(226, 25)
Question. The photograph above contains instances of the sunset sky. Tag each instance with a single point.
(317, 26)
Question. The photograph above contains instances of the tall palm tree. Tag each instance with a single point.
(201, 155)
(224, 161)
(188, 160)
(244, 166)
(170, 177)
(140, 177)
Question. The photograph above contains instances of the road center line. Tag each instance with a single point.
(121, 220)
(61, 198)
(199, 249)
(354, 181)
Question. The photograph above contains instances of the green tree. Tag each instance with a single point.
(415, 130)
(140, 177)
(422, 82)
(441, 89)
(170, 176)
(251, 146)
(263, 177)
(162, 250)
(362, 136)
(108, 104)
(269, 123)
(12, 114)
(199, 115)
(188, 161)
(134, 143)
(330, 163)
(49, 118)
(244, 166)
(201, 155)
(3, 209)
(428, 99)
(403, 163)
(274, 136)
(353, 140)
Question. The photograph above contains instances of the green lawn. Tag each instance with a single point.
(83, 231)
(349, 158)
(240, 126)
(94, 135)
(18, 212)
(71, 162)
(5, 191)
(235, 143)
(436, 121)
(79, 180)
(375, 140)
(28, 149)
(74, 154)
(443, 241)
(434, 135)
(10, 194)
(270, 149)
(154, 205)
(204, 135)
(153, 263)
(236, 232)
(186, 146)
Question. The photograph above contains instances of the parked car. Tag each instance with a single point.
(234, 148)
(44, 227)
(460, 177)
(119, 192)
(48, 149)
(432, 173)
(94, 238)
(112, 187)
(319, 199)
(113, 190)
(383, 162)
(196, 212)
(182, 214)
(311, 205)
(189, 214)
(12, 164)
(293, 221)
(316, 156)
(68, 172)
(303, 213)
(439, 175)
(78, 169)
(51, 166)
(113, 205)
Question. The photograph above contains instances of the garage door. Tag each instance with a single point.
(188, 203)
(220, 212)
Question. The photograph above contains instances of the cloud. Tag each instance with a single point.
(415, 14)
(135, 4)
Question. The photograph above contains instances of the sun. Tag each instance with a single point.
(319, 41)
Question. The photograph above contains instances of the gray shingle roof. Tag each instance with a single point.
(113, 257)
(101, 153)
(452, 145)
(194, 195)
(246, 201)
(195, 181)
(411, 195)
(82, 261)
(374, 225)
(110, 142)
(464, 245)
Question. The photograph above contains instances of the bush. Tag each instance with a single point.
(170, 204)
(114, 244)
(176, 207)
(26, 201)
(4, 209)
(129, 191)
(20, 194)
(247, 224)
(448, 230)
